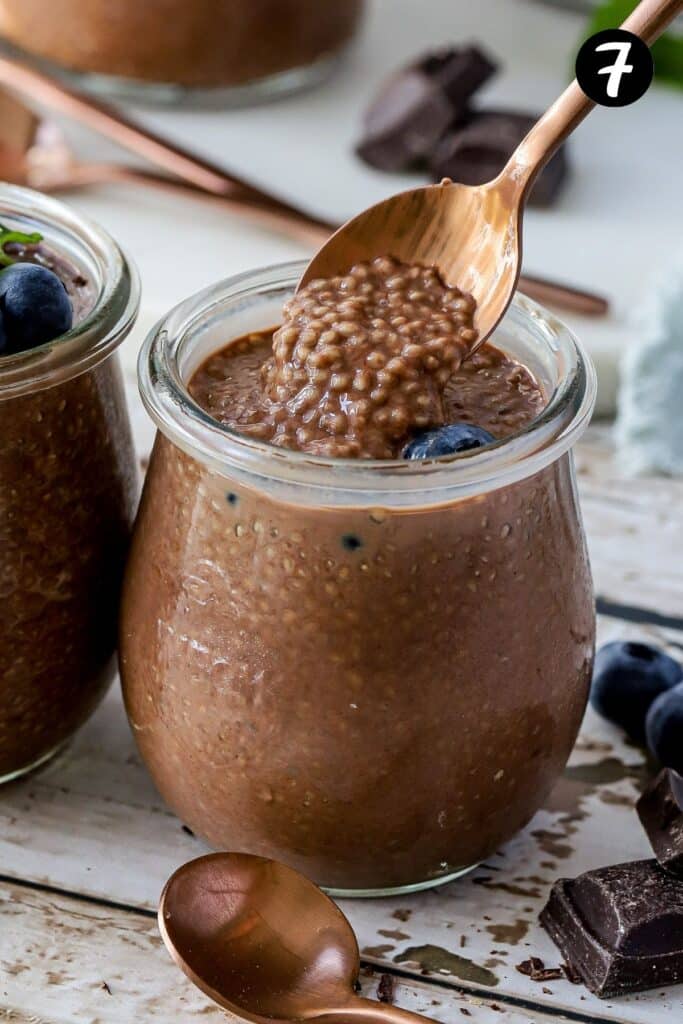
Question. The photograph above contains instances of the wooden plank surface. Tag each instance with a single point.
(65, 960)
(633, 529)
(90, 828)
(91, 823)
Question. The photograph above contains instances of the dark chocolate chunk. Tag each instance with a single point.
(417, 104)
(405, 121)
(478, 151)
(620, 928)
(459, 71)
(662, 818)
(676, 783)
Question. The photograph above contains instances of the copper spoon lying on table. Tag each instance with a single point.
(266, 944)
(35, 153)
(473, 235)
(53, 168)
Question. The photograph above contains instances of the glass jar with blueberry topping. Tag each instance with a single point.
(373, 670)
(68, 478)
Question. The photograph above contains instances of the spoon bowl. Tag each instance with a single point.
(258, 938)
(266, 944)
(470, 233)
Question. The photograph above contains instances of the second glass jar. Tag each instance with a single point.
(68, 490)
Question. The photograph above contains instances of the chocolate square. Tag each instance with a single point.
(459, 72)
(417, 104)
(478, 151)
(662, 818)
(620, 928)
(405, 122)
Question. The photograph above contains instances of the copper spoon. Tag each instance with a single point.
(49, 165)
(34, 152)
(266, 944)
(19, 77)
(195, 177)
(473, 235)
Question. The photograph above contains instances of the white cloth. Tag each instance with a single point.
(650, 420)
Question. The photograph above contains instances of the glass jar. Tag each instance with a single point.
(373, 671)
(230, 51)
(68, 487)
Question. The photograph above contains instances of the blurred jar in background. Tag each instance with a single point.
(237, 51)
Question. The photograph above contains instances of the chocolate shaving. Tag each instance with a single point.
(570, 974)
(536, 970)
(385, 989)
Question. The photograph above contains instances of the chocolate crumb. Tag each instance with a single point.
(497, 1008)
(530, 966)
(385, 989)
(188, 831)
(464, 1012)
(547, 991)
(535, 969)
(550, 974)
(106, 988)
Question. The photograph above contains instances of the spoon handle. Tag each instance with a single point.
(648, 21)
(47, 91)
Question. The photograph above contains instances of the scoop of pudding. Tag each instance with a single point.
(364, 363)
(362, 359)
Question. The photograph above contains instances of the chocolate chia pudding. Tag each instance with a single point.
(205, 43)
(374, 671)
(68, 494)
(359, 361)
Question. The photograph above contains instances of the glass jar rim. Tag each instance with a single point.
(300, 477)
(115, 304)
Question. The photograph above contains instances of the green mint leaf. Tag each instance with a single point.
(667, 51)
(8, 235)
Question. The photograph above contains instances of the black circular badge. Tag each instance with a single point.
(614, 68)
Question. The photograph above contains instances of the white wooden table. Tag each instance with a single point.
(86, 844)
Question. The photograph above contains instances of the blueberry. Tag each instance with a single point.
(627, 678)
(664, 728)
(35, 306)
(454, 437)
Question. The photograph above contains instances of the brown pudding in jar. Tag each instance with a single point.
(68, 491)
(198, 44)
(372, 670)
